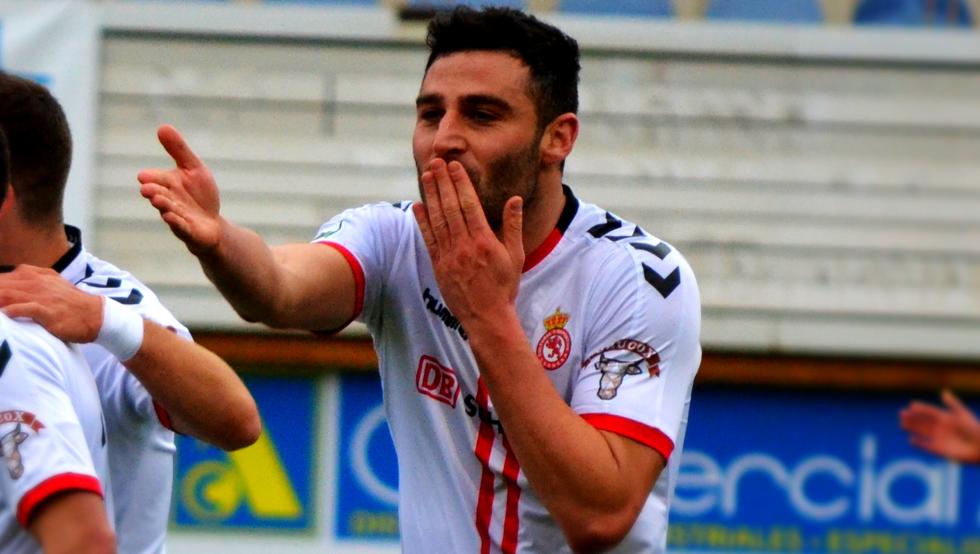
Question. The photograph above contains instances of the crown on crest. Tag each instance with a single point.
(556, 320)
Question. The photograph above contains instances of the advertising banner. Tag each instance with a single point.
(268, 485)
(367, 470)
(768, 471)
(763, 471)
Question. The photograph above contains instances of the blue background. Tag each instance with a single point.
(359, 394)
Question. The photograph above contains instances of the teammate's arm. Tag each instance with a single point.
(304, 286)
(593, 482)
(201, 394)
(73, 522)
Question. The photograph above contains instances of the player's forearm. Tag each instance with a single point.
(245, 272)
(568, 462)
(74, 522)
(203, 396)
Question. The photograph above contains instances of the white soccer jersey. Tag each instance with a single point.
(52, 437)
(142, 447)
(614, 316)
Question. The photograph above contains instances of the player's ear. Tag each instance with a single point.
(559, 138)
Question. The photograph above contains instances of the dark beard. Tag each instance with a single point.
(512, 175)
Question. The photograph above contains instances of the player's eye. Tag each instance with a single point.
(430, 114)
(483, 116)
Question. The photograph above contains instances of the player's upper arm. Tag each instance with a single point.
(324, 286)
(73, 522)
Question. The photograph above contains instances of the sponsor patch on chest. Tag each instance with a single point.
(437, 381)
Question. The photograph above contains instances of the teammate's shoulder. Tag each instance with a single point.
(106, 279)
(32, 347)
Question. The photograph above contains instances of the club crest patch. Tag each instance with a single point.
(12, 437)
(556, 344)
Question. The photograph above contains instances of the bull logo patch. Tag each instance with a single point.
(622, 358)
(556, 344)
(10, 441)
(10, 451)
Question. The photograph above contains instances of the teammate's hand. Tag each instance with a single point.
(477, 273)
(186, 196)
(953, 432)
(47, 298)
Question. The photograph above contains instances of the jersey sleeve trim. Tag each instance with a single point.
(358, 272)
(641, 433)
(54, 485)
(163, 416)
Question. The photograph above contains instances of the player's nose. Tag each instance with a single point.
(449, 140)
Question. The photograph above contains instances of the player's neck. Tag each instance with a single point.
(542, 213)
(40, 246)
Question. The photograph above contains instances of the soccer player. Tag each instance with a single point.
(952, 431)
(54, 471)
(152, 379)
(537, 352)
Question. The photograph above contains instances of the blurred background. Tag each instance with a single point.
(816, 161)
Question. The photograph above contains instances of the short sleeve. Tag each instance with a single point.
(368, 238)
(44, 448)
(642, 349)
(127, 404)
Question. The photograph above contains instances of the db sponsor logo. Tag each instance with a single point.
(437, 381)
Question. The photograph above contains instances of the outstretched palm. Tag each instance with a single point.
(953, 432)
(186, 196)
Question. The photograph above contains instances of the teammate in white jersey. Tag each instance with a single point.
(537, 353)
(53, 479)
(152, 380)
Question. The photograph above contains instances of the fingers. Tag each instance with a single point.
(446, 182)
(920, 412)
(11, 297)
(24, 310)
(438, 225)
(159, 176)
(177, 147)
(422, 218)
(513, 228)
(953, 402)
(469, 202)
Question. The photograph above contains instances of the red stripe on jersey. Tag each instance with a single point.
(358, 271)
(545, 248)
(163, 416)
(641, 433)
(484, 446)
(512, 519)
(51, 486)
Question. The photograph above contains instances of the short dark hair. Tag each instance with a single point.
(551, 56)
(39, 143)
(4, 167)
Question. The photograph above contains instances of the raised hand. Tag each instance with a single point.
(186, 196)
(952, 432)
(44, 296)
(477, 272)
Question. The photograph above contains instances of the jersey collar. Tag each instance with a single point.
(554, 237)
(72, 265)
